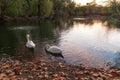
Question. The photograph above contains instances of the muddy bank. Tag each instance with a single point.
(12, 69)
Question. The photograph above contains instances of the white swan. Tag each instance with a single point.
(53, 50)
(29, 43)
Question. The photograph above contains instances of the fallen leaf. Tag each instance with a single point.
(2, 75)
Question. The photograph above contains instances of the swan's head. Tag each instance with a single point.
(47, 46)
(28, 35)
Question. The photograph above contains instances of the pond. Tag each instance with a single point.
(92, 43)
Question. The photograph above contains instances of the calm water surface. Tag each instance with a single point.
(93, 43)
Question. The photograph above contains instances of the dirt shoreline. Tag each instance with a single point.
(12, 69)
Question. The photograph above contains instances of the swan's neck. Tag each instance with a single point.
(28, 37)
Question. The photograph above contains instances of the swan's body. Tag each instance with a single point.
(53, 50)
(29, 43)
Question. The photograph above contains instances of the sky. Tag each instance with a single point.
(83, 2)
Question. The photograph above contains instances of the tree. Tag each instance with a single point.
(11, 7)
(44, 7)
(15, 8)
(3, 7)
(33, 9)
(71, 8)
(115, 5)
(25, 7)
(41, 7)
(63, 7)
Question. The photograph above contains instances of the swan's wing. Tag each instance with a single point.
(31, 42)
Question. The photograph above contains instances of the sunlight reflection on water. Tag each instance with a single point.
(91, 45)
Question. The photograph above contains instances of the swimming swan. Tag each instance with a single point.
(53, 50)
(29, 43)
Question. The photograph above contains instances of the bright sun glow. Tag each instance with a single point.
(83, 2)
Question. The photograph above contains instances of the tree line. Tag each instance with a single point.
(45, 8)
(25, 7)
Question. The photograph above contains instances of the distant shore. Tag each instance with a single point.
(27, 18)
